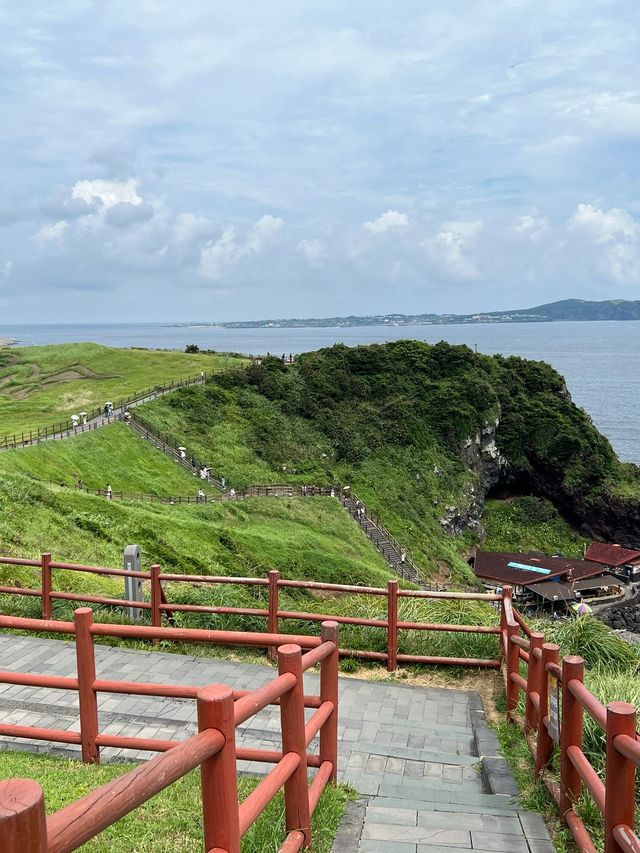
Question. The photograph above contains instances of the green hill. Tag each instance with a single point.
(420, 432)
(41, 385)
(114, 454)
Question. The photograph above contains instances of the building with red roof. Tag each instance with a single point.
(612, 556)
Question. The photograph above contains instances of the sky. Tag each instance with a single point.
(208, 161)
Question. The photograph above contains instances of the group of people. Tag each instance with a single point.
(75, 419)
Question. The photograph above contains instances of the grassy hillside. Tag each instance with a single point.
(40, 385)
(302, 537)
(392, 421)
(530, 524)
(114, 454)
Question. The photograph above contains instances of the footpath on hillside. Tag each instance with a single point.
(427, 768)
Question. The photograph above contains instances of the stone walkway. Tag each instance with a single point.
(428, 769)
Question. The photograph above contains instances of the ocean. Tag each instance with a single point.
(600, 360)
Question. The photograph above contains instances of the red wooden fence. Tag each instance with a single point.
(158, 605)
(23, 825)
(616, 796)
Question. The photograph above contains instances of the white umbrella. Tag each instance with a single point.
(82, 414)
(182, 448)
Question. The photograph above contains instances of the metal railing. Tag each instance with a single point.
(556, 699)
(220, 710)
(158, 604)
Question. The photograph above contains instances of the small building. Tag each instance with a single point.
(623, 562)
(497, 568)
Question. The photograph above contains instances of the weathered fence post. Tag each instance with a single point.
(296, 791)
(392, 625)
(23, 824)
(46, 586)
(544, 751)
(570, 732)
(272, 619)
(620, 780)
(329, 693)
(513, 667)
(506, 595)
(219, 774)
(87, 699)
(156, 597)
(533, 681)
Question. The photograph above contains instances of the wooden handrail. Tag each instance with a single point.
(213, 749)
(615, 797)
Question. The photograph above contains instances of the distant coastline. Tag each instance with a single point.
(565, 310)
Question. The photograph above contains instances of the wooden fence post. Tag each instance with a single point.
(46, 586)
(513, 666)
(329, 693)
(156, 597)
(392, 625)
(23, 824)
(296, 790)
(544, 750)
(274, 596)
(620, 780)
(87, 699)
(219, 774)
(506, 594)
(570, 733)
(533, 681)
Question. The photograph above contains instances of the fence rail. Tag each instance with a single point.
(220, 710)
(158, 604)
(553, 725)
(66, 427)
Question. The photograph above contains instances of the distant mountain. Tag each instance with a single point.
(566, 309)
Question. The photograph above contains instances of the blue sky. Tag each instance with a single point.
(209, 160)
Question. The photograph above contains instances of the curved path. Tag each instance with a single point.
(414, 754)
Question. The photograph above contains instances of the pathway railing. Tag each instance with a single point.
(220, 710)
(556, 699)
(66, 428)
(158, 604)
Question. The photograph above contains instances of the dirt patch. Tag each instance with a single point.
(38, 381)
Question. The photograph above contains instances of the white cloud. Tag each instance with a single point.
(125, 213)
(532, 227)
(616, 234)
(604, 225)
(313, 250)
(7, 269)
(109, 193)
(219, 256)
(390, 219)
(451, 248)
(52, 233)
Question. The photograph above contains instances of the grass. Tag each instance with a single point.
(529, 524)
(233, 430)
(114, 454)
(172, 820)
(41, 385)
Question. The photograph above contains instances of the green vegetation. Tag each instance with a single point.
(391, 421)
(114, 454)
(172, 820)
(41, 385)
(612, 674)
(529, 524)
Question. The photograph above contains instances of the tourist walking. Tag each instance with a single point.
(201, 496)
(109, 492)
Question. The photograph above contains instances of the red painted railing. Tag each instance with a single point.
(23, 825)
(157, 604)
(616, 796)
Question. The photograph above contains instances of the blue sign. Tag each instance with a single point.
(538, 569)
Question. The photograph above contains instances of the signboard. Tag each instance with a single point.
(554, 708)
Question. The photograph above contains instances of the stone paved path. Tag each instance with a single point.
(413, 753)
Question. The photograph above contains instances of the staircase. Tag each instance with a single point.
(388, 546)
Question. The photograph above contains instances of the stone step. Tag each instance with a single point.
(438, 794)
